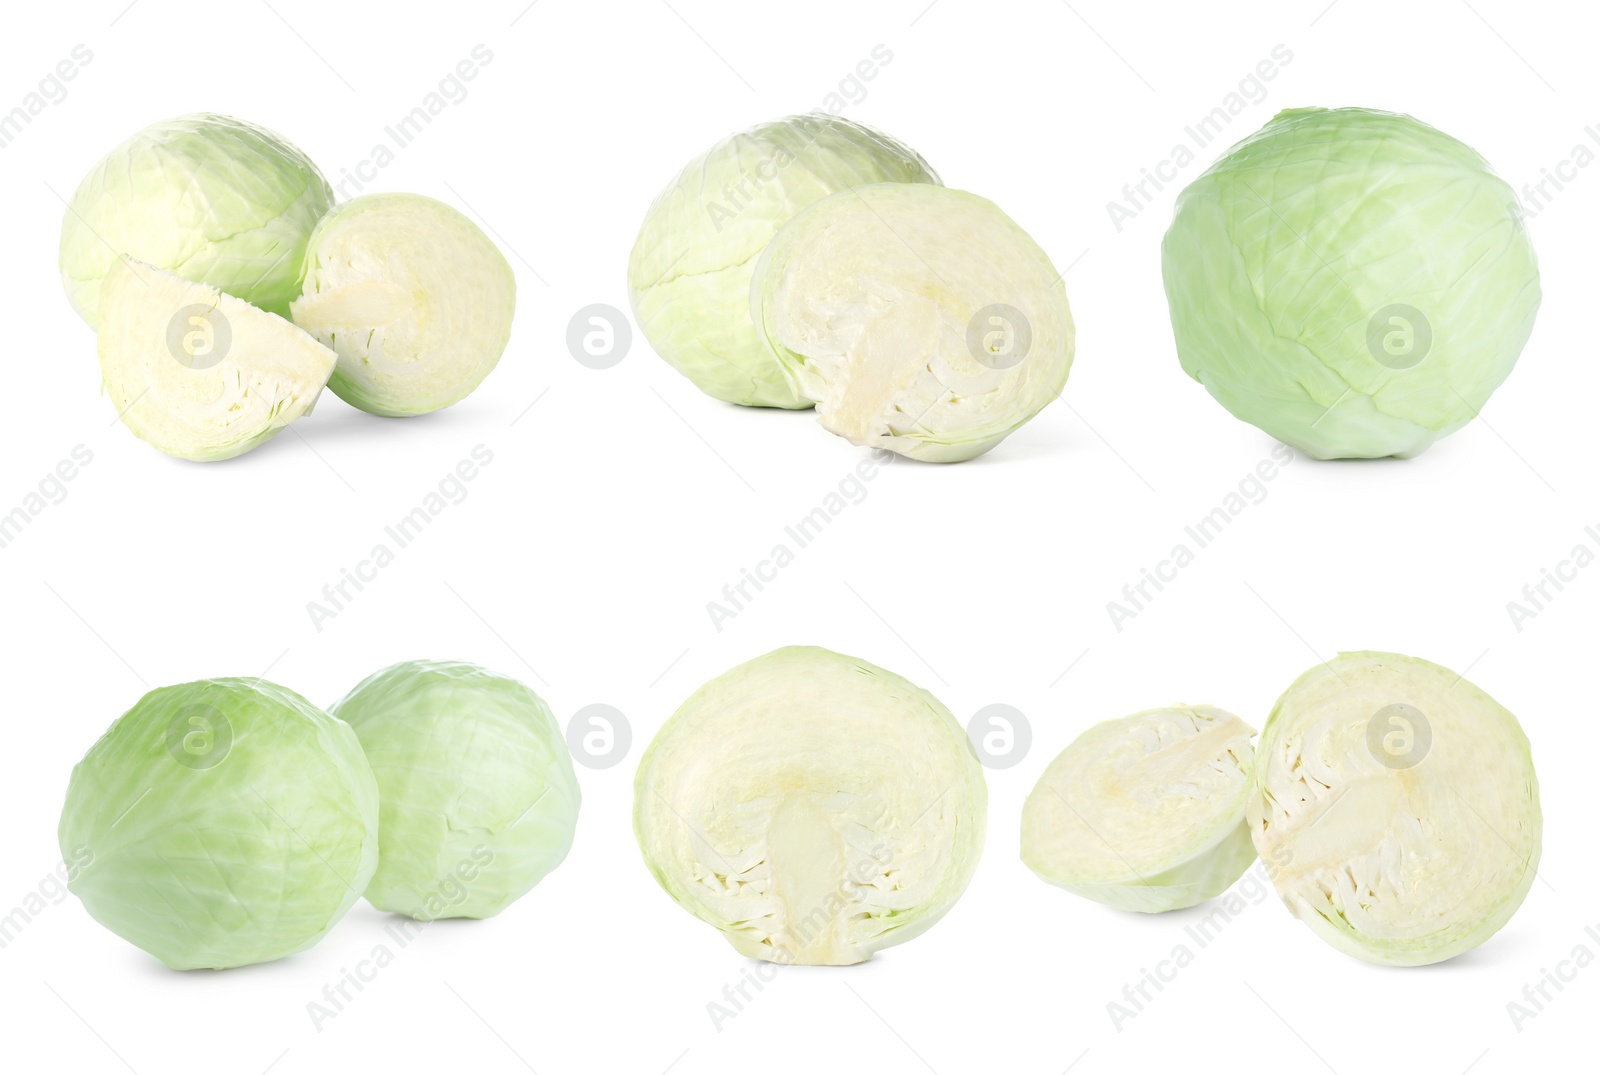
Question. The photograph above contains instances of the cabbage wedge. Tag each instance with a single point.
(1145, 813)
(201, 374)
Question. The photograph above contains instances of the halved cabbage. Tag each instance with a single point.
(1145, 813)
(413, 296)
(812, 807)
(198, 373)
(1396, 808)
(477, 794)
(918, 318)
(689, 272)
(210, 198)
(222, 822)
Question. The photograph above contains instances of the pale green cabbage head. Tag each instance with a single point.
(689, 273)
(918, 319)
(478, 797)
(812, 807)
(210, 198)
(416, 300)
(223, 822)
(1353, 282)
(1396, 808)
(1145, 813)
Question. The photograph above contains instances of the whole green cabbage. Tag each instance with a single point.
(478, 797)
(689, 273)
(213, 199)
(1354, 282)
(224, 822)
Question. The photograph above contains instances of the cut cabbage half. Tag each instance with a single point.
(918, 318)
(413, 296)
(198, 373)
(812, 807)
(1396, 808)
(1145, 813)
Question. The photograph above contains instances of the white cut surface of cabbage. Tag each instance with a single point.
(812, 807)
(416, 300)
(917, 318)
(1396, 808)
(199, 373)
(1145, 813)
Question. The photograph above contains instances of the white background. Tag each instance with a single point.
(583, 557)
